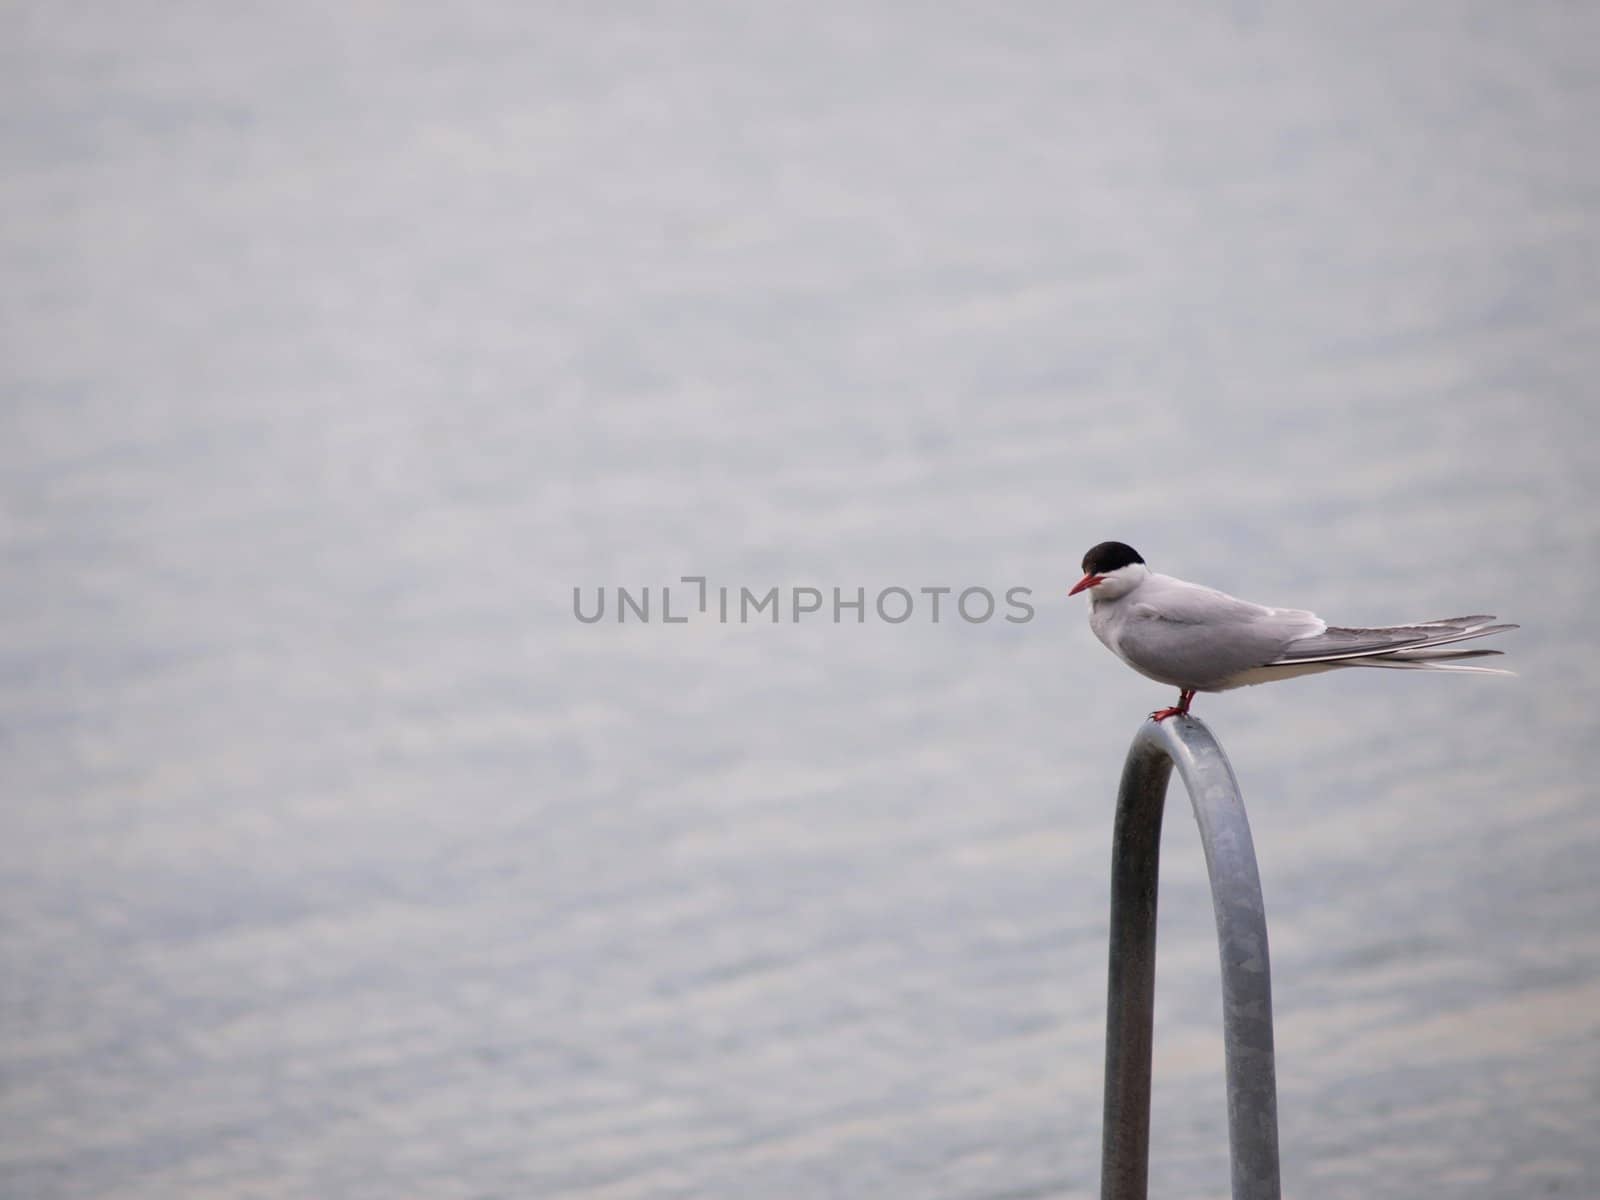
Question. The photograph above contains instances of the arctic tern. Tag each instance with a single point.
(1201, 640)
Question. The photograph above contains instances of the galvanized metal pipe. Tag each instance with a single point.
(1242, 942)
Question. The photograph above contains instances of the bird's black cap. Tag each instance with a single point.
(1108, 556)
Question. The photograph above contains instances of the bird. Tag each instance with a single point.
(1197, 639)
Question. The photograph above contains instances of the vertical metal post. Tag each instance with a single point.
(1242, 941)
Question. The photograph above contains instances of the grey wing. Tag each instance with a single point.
(1190, 636)
(1335, 643)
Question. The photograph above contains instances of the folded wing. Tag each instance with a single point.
(1396, 643)
(1192, 636)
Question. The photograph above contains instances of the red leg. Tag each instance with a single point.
(1181, 709)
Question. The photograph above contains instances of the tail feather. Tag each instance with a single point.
(1430, 658)
(1411, 664)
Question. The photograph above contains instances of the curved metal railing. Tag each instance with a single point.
(1242, 941)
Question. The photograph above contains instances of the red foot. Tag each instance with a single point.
(1181, 709)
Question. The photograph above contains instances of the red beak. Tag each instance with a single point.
(1088, 581)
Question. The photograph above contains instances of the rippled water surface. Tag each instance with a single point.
(341, 343)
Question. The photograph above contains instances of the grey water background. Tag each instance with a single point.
(342, 342)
